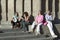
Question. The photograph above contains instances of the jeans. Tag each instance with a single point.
(24, 25)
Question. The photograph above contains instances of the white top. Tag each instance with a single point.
(48, 17)
(15, 18)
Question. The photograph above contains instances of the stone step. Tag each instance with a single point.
(14, 34)
(17, 34)
(5, 26)
(10, 30)
(25, 37)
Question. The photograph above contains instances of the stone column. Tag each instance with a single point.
(40, 4)
(3, 7)
(46, 5)
(27, 6)
(10, 9)
(59, 10)
(19, 7)
(53, 9)
(36, 7)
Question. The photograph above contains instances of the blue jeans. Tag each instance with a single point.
(24, 25)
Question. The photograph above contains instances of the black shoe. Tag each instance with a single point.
(1, 32)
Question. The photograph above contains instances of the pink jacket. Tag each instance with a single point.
(39, 19)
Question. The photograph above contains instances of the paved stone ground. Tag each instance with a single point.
(17, 34)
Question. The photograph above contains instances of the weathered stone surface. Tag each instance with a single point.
(27, 6)
(36, 7)
(3, 9)
(19, 7)
(10, 9)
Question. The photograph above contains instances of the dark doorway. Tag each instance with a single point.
(50, 5)
(43, 5)
(6, 10)
(56, 19)
(31, 7)
(14, 6)
(23, 6)
(56, 8)
(0, 12)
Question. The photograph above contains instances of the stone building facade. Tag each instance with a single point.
(9, 7)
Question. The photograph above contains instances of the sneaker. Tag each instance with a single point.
(54, 36)
(37, 34)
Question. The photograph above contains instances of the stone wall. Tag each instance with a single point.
(31, 6)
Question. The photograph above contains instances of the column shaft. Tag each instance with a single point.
(27, 6)
(3, 9)
(10, 9)
(36, 7)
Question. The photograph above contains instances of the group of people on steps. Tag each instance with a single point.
(41, 19)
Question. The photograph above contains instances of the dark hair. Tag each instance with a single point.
(25, 13)
(17, 14)
(50, 13)
(41, 12)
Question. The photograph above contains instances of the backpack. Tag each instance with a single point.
(31, 19)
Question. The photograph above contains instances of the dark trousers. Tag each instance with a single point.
(13, 23)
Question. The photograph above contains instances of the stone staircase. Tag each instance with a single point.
(17, 34)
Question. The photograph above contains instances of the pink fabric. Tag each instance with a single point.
(39, 19)
(45, 22)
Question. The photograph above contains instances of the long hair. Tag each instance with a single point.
(50, 13)
(17, 14)
(26, 14)
(41, 12)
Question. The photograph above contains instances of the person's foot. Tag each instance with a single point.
(27, 31)
(23, 31)
(37, 34)
(54, 36)
(30, 31)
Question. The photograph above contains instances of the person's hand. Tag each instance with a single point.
(36, 23)
(19, 18)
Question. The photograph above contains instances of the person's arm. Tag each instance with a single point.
(36, 19)
(50, 18)
(46, 17)
(26, 18)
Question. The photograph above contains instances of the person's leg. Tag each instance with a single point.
(27, 28)
(21, 24)
(24, 26)
(12, 24)
(18, 24)
(24, 29)
(50, 26)
(38, 28)
(33, 25)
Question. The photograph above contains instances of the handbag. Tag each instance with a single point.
(45, 22)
